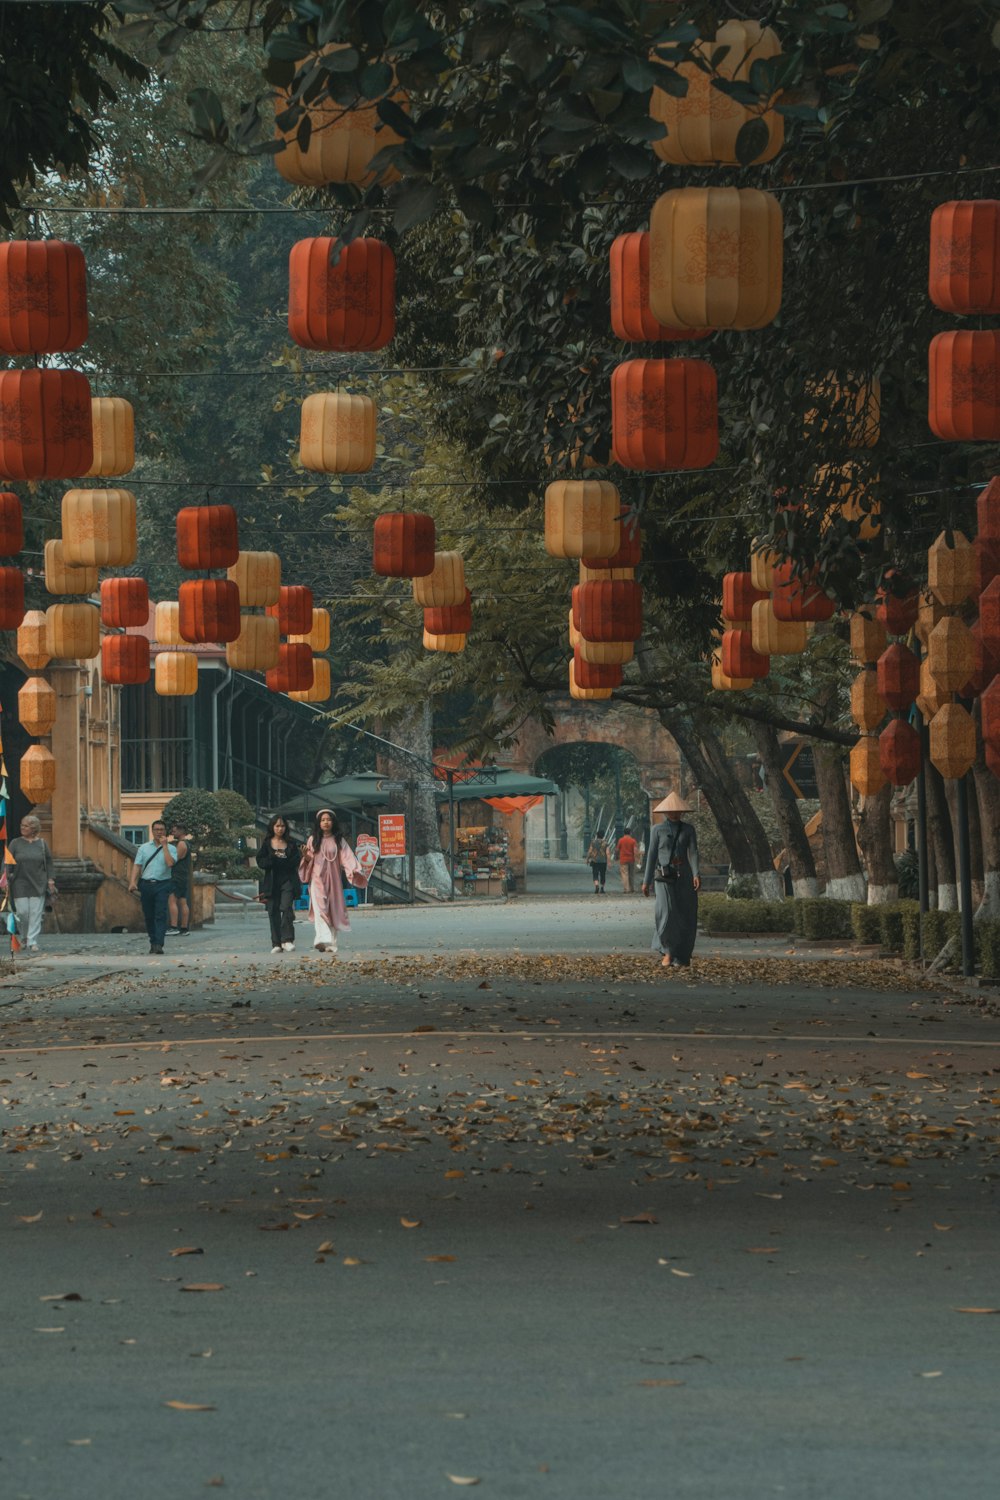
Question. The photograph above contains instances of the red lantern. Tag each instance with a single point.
(11, 524)
(964, 386)
(125, 659)
(404, 545)
(208, 610)
(294, 672)
(989, 617)
(664, 414)
(989, 709)
(899, 752)
(350, 305)
(987, 551)
(897, 611)
(11, 598)
(988, 511)
(43, 297)
(629, 554)
(207, 537)
(992, 758)
(124, 602)
(739, 596)
(592, 674)
(987, 664)
(796, 597)
(46, 427)
(609, 609)
(450, 619)
(739, 659)
(294, 614)
(898, 678)
(631, 318)
(965, 256)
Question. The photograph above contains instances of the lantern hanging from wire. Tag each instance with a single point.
(337, 433)
(868, 707)
(739, 596)
(256, 648)
(715, 257)
(952, 741)
(293, 610)
(43, 297)
(11, 524)
(321, 688)
(987, 554)
(294, 672)
(963, 396)
(36, 706)
(350, 305)
(723, 684)
(899, 752)
(704, 124)
(586, 694)
(773, 637)
(124, 603)
(175, 674)
(444, 585)
(207, 537)
(898, 673)
(73, 631)
(847, 411)
(125, 660)
(868, 639)
(33, 641)
(325, 140)
(965, 256)
(867, 776)
(951, 568)
(986, 664)
(257, 575)
(38, 774)
(98, 528)
(166, 623)
(932, 695)
(592, 674)
(61, 577)
(796, 596)
(450, 619)
(113, 425)
(608, 610)
(631, 319)
(629, 551)
(317, 637)
(664, 414)
(582, 518)
(739, 659)
(11, 598)
(951, 654)
(451, 642)
(404, 543)
(896, 605)
(45, 424)
(208, 610)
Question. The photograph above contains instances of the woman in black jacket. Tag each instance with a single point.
(278, 858)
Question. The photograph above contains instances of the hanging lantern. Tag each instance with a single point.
(98, 528)
(899, 752)
(847, 410)
(256, 648)
(175, 674)
(11, 524)
(929, 611)
(963, 399)
(739, 596)
(207, 537)
(739, 659)
(847, 490)
(45, 424)
(988, 511)
(591, 575)
(33, 641)
(965, 256)
(257, 575)
(43, 297)
(603, 653)
(444, 584)
(609, 610)
(11, 598)
(773, 637)
(113, 422)
(586, 694)
(987, 555)
(868, 707)
(715, 258)
(124, 603)
(867, 776)
(570, 442)
(452, 643)
(664, 414)
(167, 624)
(317, 637)
(989, 617)
(329, 141)
(629, 552)
(73, 631)
(125, 660)
(631, 318)
(989, 710)
(723, 684)
(703, 126)
(897, 610)
(294, 672)
(952, 747)
(452, 619)
(404, 544)
(293, 611)
(898, 677)
(36, 706)
(951, 568)
(337, 433)
(321, 685)
(61, 577)
(38, 774)
(951, 654)
(582, 518)
(592, 674)
(347, 306)
(986, 664)
(208, 610)
(868, 639)
(795, 596)
(932, 695)
(762, 565)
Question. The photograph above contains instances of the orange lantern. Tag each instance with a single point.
(11, 598)
(739, 596)
(347, 306)
(932, 695)
(403, 545)
(452, 643)
(848, 408)
(321, 685)
(256, 648)
(703, 126)
(715, 258)
(989, 617)
(125, 659)
(450, 619)
(723, 684)
(609, 610)
(987, 553)
(114, 436)
(867, 776)
(592, 674)
(896, 607)
(73, 631)
(45, 424)
(318, 634)
(963, 398)
(929, 611)
(986, 664)
(175, 674)
(38, 774)
(797, 597)
(952, 747)
(33, 641)
(951, 654)
(868, 639)
(965, 256)
(337, 433)
(868, 707)
(664, 414)
(899, 752)
(444, 584)
(951, 568)
(586, 694)
(582, 518)
(98, 528)
(631, 318)
(166, 623)
(898, 678)
(36, 706)
(61, 577)
(294, 672)
(43, 297)
(257, 575)
(739, 659)
(762, 565)
(773, 637)
(124, 602)
(629, 551)
(293, 611)
(988, 511)
(328, 141)
(207, 537)
(989, 710)
(11, 524)
(208, 610)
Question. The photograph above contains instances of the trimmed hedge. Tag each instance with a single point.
(722, 915)
(939, 927)
(822, 917)
(865, 923)
(988, 949)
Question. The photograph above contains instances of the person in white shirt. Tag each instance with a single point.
(151, 874)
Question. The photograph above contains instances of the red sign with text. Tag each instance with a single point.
(366, 849)
(392, 835)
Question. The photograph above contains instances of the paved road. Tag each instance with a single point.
(467, 1216)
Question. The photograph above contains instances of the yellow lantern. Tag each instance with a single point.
(582, 518)
(176, 674)
(868, 707)
(319, 636)
(592, 575)
(932, 695)
(451, 642)
(952, 741)
(61, 577)
(257, 575)
(257, 648)
(929, 611)
(38, 774)
(114, 437)
(703, 126)
(762, 565)
(604, 653)
(32, 641)
(445, 585)
(321, 687)
(36, 706)
(951, 568)
(166, 624)
(951, 654)
(337, 433)
(98, 528)
(715, 258)
(868, 639)
(773, 637)
(587, 694)
(342, 141)
(851, 405)
(723, 684)
(867, 776)
(73, 631)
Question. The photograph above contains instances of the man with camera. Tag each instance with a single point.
(152, 874)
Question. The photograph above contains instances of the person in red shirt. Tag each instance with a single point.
(627, 850)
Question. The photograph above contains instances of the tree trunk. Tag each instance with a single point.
(412, 730)
(741, 859)
(988, 798)
(939, 831)
(786, 808)
(844, 878)
(875, 839)
(769, 881)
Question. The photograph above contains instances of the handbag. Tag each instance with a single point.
(667, 873)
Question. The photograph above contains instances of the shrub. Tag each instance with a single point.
(822, 917)
(896, 926)
(907, 874)
(237, 814)
(988, 948)
(865, 922)
(746, 916)
(200, 815)
(222, 859)
(939, 928)
(743, 888)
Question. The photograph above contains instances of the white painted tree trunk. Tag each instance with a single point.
(882, 895)
(846, 888)
(772, 887)
(805, 889)
(432, 875)
(947, 898)
(989, 907)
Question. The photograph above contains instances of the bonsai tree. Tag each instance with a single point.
(201, 817)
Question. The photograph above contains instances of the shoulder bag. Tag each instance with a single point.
(668, 872)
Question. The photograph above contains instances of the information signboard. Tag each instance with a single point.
(392, 835)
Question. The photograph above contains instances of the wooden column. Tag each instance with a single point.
(66, 841)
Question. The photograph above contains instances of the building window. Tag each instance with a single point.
(156, 741)
(135, 835)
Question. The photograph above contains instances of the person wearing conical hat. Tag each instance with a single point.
(672, 872)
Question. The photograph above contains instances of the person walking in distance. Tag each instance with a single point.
(31, 880)
(626, 851)
(278, 858)
(597, 858)
(151, 875)
(672, 868)
(327, 854)
(179, 904)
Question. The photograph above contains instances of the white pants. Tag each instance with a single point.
(324, 933)
(30, 911)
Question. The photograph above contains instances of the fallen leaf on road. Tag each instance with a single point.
(412, 1223)
(439, 1259)
(30, 1218)
(978, 1309)
(80, 1442)
(325, 1248)
(188, 1250)
(454, 1173)
(62, 1297)
(674, 1272)
(661, 1382)
(761, 1250)
(186, 1406)
(351, 1260)
(930, 1374)
(462, 1479)
(644, 1218)
(50, 1330)
(944, 1227)
(776, 1197)
(203, 1286)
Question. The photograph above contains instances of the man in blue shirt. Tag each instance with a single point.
(152, 874)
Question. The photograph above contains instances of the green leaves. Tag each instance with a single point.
(751, 140)
(414, 203)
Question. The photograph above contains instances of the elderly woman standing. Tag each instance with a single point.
(31, 880)
(325, 855)
(672, 869)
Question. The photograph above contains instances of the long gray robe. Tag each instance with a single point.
(676, 916)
